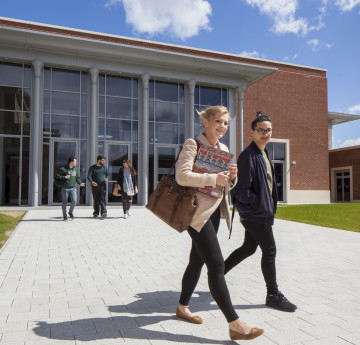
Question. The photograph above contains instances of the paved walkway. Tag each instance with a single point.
(117, 281)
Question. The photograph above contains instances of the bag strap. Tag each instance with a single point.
(173, 165)
(232, 214)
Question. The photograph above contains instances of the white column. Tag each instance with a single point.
(240, 93)
(92, 143)
(190, 130)
(144, 142)
(36, 136)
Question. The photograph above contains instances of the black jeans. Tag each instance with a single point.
(257, 235)
(206, 249)
(99, 195)
(126, 201)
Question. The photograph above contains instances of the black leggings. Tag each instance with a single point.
(206, 249)
(126, 201)
(257, 235)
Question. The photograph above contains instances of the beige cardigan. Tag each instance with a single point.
(185, 177)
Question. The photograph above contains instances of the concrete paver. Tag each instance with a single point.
(117, 281)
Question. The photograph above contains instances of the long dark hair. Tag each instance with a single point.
(132, 169)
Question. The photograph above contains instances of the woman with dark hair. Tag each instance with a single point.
(127, 184)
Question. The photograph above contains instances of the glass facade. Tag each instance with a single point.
(64, 127)
(166, 126)
(118, 124)
(204, 97)
(15, 105)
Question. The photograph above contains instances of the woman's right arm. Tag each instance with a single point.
(184, 174)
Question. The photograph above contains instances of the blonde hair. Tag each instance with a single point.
(210, 112)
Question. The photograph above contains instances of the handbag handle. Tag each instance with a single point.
(173, 165)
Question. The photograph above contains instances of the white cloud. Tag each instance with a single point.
(350, 142)
(283, 14)
(347, 5)
(180, 18)
(313, 43)
(250, 54)
(354, 109)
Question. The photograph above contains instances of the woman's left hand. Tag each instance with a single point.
(233, 170)
(136, 190)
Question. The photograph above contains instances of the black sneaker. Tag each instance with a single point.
(65, 218)
(71, 215)
(95, 215)
(103, 216)
(280, 302)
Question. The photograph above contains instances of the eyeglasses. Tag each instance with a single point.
(262, 131)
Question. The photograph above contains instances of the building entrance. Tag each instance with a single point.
(60, 151)
(342, 182)
(115, 153)
(164, 158)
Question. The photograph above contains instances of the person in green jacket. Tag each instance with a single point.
(98, 176)
(71, 175)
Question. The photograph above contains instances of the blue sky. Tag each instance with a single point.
(323, 33)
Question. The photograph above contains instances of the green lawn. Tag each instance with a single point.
(339, 216)
(8, 223)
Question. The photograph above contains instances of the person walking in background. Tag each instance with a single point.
(127, 184)
(98, 176)
(255, 199)
(71, 176)
(205, 224)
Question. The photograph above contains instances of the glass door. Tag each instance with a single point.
(279, 176)
(164, 158)
(342, 186)
(60, 151)
(115, 153)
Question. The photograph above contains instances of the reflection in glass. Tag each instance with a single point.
(210, 95)
(279, 174)
(166, 133)
(166, 112)
(102, 84)
(26, 99)
(119, 108)
(84, 105)
(10, 167)
(118, 130)
(118, 86)
(135, 88)
(101, 133)
(10, 122)
(135, 131)
(65, 126)
(47, 78)
(46, 125)
(11, 74)
(279, 151)
(10, 98)
(45, 172)
(166, 91)
(101, 106)
(25, 171)
(46, 102)
(65, 80)
(151, 132)
(26, 124)
(84, 82)
(83, 128)
(166, 158)
(65, 103)
(151, 110)
(27, 76)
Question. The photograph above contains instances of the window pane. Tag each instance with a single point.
(46, 101)
(102, 84)
(10, 98)
(135, 131)
(65, 80)
(151, 89)
(26, 99)
(270, 148)
(181, 133)
(224, 97)
(83, 127)
(119, 108)
(166, 91)
(197, 91)
(210, 96)
(65, 126)
(118, 130)
(118, 86)
(151, 132)
(135, 88)
(181, 93)
(83, 105)
(151, 110)
(101, 106)
(27, 76)
(26, 123)
(135, 109)
(181, 113)
(25, 171)
(166, 112)
(47, 78)
(65, 103)
(279, 151)
(10, 74)
(10, 122)
(46, 125)
(84, 83)
(166, 133)
(101, 129)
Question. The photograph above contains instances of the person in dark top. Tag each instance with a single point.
(127, 184)
(98, 176)
(71, 175)
(255, 198)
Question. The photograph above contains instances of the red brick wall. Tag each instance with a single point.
(296, 101)
(344, 158)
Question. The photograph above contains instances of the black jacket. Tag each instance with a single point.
(251, 195)
(120, 179)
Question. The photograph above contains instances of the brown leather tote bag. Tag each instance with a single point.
(172, 203)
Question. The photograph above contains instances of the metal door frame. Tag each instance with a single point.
(51, 167)
(156, 158)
